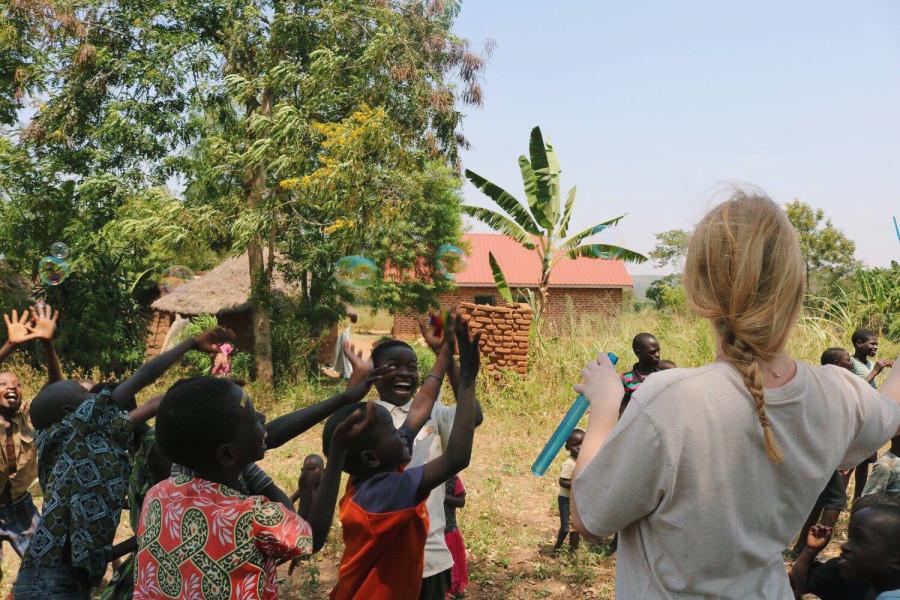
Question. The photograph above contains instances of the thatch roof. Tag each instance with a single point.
(223, 290)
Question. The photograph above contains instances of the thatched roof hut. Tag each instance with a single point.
(224, 292)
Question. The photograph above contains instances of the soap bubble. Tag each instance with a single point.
(53, 270)
(59, 250)
(173, 277)
(449, 260)
(355, 272)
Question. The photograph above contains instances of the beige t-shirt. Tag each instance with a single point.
(568, 468)
(684, 478)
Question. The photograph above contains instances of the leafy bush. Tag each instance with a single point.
(667, 293)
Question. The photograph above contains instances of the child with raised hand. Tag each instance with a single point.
(865, 346)
(869, 563)
(83, 467)
(198, 532)
(573, 445)
(383, 513)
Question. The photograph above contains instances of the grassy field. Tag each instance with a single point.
(510, 517)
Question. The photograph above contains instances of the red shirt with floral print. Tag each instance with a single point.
(201, 540)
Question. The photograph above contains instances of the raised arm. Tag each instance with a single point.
(146, 411)
(435, 342)
(44, 329)
(317, 507)
(285, 428)
(459, 446)
(18, 330)
(207, 341)
(426, 396)
(816, 540)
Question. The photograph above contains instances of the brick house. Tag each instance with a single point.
(579, 288)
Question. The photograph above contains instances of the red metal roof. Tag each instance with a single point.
(522, 267)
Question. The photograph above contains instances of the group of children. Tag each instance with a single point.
(210, 523)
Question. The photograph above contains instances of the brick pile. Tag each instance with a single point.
(504, 341)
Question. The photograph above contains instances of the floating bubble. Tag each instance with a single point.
(173, 277)
(53, 270)
(355, 272)
(59, 250)
(449, 260)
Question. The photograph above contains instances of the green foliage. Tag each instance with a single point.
(542, 225)
(671, 246)
(200, 363)
(667, 293)
(828, 253)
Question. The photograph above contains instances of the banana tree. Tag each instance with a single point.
(542, 225)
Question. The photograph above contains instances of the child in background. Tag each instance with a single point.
(18, 515)
(83, 466)
(885, 477)
(865, 345)
(869, 564)
(833, 499)
(646, 348)
(383, 513)
(222, 361)
(455, 497)
(573, 445)
(198, 532)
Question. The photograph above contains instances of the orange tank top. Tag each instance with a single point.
(384, 553)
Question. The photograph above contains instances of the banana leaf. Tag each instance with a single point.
(501, 223)
(607, 252)
(579, 237)
(506, 201)
(567, 214)
(500, 279)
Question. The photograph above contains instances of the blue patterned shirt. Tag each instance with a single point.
(83, 467)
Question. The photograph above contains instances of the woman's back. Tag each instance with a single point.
(702, 511)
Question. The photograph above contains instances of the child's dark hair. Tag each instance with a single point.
(641, 339)
(382, 347)
(861, 335)
(195, 417)
(362, 442)
(831, 356)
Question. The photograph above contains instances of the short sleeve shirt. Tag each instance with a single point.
(25, 458)
(83, 467)
(885, 476)
(568, 469)
(697, 476)
(200, 539)
(863, 369)
(428, 445)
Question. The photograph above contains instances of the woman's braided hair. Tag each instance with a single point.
(745, 273)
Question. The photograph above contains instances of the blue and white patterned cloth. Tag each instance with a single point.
(83, 467)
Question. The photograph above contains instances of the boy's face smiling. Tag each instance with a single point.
(869, 554)
(398, 386)
(868, 347)
(10, 392)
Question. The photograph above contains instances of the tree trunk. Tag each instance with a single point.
(260, 275)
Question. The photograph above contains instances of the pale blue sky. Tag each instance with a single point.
(652, 106)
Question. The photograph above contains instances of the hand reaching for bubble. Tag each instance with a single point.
(19, 329)
(45, 321)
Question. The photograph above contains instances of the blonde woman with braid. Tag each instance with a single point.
(711, 471)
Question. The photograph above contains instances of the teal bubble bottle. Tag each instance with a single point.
(564, 430)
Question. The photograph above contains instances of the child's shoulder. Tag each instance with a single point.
(389, 491)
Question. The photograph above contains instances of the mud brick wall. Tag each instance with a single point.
(157, 329)
(504, 338)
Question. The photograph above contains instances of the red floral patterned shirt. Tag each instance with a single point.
(202, 540)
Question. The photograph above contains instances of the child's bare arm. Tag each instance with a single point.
(207, 341)
(146, 411)
(43, 327)
(423, 404)
(285, 428)
(317, 507)
(459, 446)
(816, 540)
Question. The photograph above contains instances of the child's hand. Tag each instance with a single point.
(602, 386)
(18, 329)
(880, 365)
(353, 426)
(469, 354)
(428, 334)
(818, 537)
(361, 366)
(358, 391)
(45, 320)
(209, 340)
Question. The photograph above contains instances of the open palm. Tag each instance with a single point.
(18, 329)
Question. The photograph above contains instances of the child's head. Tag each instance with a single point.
(10, 392)
(313, 467)
(398, 386)
(664, 365)
(55, 401)
(646, 348)
(378, 448)
(573, 443)
(872, 550)
(745, 273)
(838, 357)
(865, 342)
(352, 316)
(210, 423)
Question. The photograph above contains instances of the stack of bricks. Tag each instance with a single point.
(504, 341)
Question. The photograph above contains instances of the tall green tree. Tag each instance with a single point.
(829, 254)
(671, 247)
(541, 225)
